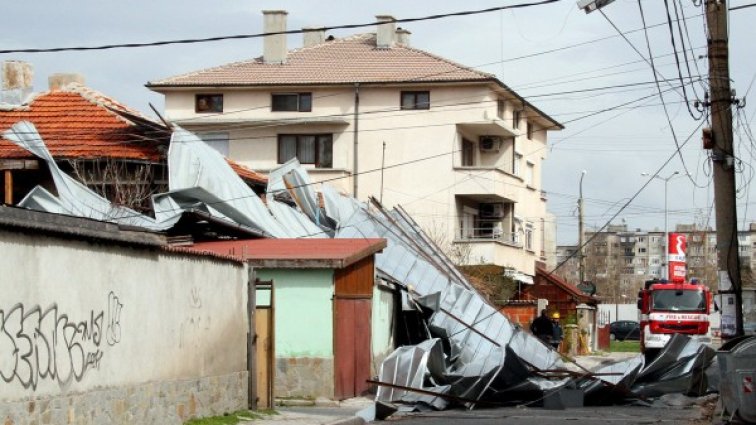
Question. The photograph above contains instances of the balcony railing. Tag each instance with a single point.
(483, 234)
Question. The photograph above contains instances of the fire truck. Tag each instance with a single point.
(668, 308)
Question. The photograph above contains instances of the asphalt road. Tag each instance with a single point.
(609, 415)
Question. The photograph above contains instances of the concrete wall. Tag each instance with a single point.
(94, 333)
(303, 322)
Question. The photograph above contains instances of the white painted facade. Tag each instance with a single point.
(88, 317)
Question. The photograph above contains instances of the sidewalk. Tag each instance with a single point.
(319, 412)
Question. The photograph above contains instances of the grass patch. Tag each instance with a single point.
(232, 418)
(624, 346)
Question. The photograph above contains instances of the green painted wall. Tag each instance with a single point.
(303, 311)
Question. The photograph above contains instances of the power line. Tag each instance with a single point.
(258, 35)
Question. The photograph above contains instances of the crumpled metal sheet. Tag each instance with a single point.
(73, 198)
(199, 179)
(196, 167)
(679, 368)
(481, 338)
(417, 366)
(473, 352)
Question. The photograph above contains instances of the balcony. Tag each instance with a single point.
(487, 182)
(488, 234)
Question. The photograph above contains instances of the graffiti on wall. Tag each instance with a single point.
(46, 344)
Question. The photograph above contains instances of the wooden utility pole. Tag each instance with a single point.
(581, 234)
(723, 162)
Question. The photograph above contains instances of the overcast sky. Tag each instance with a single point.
(613, 147)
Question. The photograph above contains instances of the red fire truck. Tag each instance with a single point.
(673, 307)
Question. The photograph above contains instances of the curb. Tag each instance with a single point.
(353, 420)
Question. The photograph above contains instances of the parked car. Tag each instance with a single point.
(624, 329)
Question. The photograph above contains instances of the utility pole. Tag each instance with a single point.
(728, 260)
(581, 255)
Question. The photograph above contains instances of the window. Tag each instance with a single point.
(517, 161)
(217, 140)
(515, 119)
(415, 100)
(468, 153)
(529, 130)
(307, 148)
(501, 106)
(529, 174)
(293, 102)
(208, 103)
(529, 236)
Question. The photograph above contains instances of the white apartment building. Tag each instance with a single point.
(455, 147)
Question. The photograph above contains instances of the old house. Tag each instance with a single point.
(377, 117)
(114, 150)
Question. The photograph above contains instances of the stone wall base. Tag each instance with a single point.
(167, 402)
(304, 377)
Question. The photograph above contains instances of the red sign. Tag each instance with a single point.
(676, 254)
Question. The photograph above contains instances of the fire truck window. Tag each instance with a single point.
(671, 300)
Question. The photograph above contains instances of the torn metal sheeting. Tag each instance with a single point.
(414, 367)
(199, 179)
(470, 353)
(74, 198)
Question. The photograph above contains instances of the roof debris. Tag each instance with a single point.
(465, 351)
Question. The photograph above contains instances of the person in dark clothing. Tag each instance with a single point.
(557, 335)
(542, 327)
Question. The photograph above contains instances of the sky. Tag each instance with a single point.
(569, 64)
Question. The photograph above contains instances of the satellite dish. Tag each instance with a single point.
(587, 288)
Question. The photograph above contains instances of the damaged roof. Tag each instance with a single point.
(78, 122)
(296, 253)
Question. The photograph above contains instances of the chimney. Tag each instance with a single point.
(313, 35)
(386, 31)
(59, 81)
(16, 82)
(403, 37)
(274, 46)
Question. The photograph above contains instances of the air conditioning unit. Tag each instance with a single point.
(489, 143)
(493, 210)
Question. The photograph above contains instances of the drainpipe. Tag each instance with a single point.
(355, 169)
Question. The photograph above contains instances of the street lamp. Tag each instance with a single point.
(666, 235)
(581, 257)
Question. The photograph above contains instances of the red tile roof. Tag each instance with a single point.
(74, 125)
(296, 253)
(571, 289)
(76, 122)
(347, 60)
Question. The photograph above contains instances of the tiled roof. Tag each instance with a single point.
(335, 253)
(347, 60)
(77, 122)
(566, 286)
(74, 125)
(245, 173)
